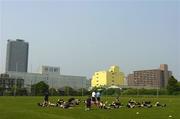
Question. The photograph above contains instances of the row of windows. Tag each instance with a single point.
(51, 69)
(98, 77)
(101, 85)
(145, 74)
(111, 83)
(146, 77)
(11, 81)
(98, 81)
(113, 73)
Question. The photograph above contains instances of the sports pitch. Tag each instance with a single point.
(26, 108)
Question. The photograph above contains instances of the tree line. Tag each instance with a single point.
(38, 89)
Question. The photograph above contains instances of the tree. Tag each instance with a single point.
(1, 91)
(130, 91)
(21, 92)
(111, 91)
(82, 92)
(172, 85)
(69, 91)
(178, 84)
(53, 92)
(40, 88)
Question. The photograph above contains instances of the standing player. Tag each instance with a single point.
(93, 97)
(98, 98)
(46, 98)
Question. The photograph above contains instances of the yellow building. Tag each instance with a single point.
(108, 78)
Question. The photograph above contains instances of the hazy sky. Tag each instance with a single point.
(84, 37)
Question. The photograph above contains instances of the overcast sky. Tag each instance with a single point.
(84, 37)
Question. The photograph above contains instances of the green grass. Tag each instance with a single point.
(26, 108)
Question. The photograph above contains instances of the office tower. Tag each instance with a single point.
(17, 56)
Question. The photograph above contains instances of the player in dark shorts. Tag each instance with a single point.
(46, 97)
(46, 100)
(98, 99)
(88, 103)
(94, 99)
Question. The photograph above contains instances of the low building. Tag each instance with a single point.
(52, 78)
(108, 78)
(8, 83)
(150, 78)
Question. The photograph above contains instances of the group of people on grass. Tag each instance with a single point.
(95, 100)
(146, 104)
(60, 102)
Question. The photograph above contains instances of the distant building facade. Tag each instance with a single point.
(52, 78)
(150, 78)
(50, 70)
(8, 83)
(112, 77)
(17, 56)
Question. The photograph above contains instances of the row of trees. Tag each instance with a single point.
(173, 88)
(131, 91)
(13, 91)
(40, 88)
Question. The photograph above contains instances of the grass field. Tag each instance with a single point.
(26, 108)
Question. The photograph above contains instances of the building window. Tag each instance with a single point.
(46, 69)
(51, 69)
(55, 69)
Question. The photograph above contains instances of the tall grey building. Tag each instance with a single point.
(17, 56)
